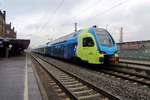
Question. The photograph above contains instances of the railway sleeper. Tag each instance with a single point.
(56, 87)
(84, 91)
(74, 85)
(66, 98)
(77, 88)
(58, 90)
(148, 81)
(64, 76)
(89, 97)
(52, 83)
(140, 79)
(69, 83)
(67, 80)
(62, 94)
(132, 77)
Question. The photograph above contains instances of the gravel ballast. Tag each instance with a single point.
(125, 90)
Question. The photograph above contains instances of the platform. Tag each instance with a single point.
(13, 72)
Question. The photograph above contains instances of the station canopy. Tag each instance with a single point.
(15, 43)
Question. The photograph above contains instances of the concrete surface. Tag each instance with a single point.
(33, 90)
(12, 80)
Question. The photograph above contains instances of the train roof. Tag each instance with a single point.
(72, 35)
(63, 38)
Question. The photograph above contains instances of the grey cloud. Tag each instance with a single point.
(133, 17)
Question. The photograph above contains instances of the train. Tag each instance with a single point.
(92, 45)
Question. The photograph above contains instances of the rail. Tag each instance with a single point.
(73, 85)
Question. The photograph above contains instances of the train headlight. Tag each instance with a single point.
(116, 55)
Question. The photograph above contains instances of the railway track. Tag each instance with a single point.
(71, 87)
(127, 75)
(141, 79)
(133, 65)
(137, 62)
(126, 72)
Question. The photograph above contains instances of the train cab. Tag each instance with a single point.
(106, 45)
(96, 46)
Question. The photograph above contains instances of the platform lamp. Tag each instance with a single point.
(10, 46)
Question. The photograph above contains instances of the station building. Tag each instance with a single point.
(2, 23)
(9, 45)
(9, 32)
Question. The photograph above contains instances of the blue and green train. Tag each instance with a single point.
(93, 45)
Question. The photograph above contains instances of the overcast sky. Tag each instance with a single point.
(43, 20)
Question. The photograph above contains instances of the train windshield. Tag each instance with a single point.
(104, 37)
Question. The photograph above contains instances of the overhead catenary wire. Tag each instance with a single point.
(61, 3)
(87, 7)
(52, 15)
(41, 27)
(102, 12)
(84, 9)
(111, 8)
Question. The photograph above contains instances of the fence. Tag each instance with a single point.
(138, 50)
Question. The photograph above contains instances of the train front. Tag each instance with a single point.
(107, 46)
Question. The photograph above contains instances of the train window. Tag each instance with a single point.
(105, 38)
(88, 42)
(75, 35)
